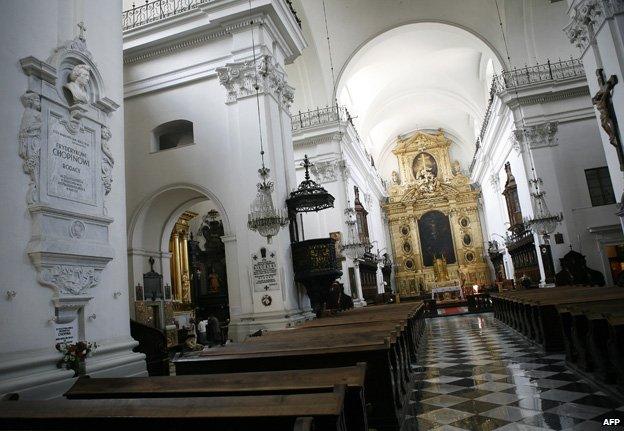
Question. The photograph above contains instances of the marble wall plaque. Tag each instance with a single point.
(72, 166)
(66, 332)
(264, 271)
(65, 144)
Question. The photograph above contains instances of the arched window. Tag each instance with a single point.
(172, 134)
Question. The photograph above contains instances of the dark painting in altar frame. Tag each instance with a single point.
(436, 240)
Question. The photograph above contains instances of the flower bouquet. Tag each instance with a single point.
(74, 355)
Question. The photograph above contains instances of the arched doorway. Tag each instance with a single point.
(175, 236)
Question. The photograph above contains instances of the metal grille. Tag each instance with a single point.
(160, 9)
(560, 70)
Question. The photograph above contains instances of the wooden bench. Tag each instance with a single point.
(594, 342)
(615, 345)
(534, 313)
(321, 411)
(379, 336)
(254, 383)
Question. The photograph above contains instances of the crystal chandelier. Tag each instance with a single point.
(543, 222)
(263, 217)
(353, 247)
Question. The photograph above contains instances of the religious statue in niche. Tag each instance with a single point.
(436, 240)
(425, 170)
(604, 105)
(456, 167)
(440, 270)
(78, 81)
(395, 178)
(186, 287)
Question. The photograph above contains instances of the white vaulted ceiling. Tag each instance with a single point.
(414, 77)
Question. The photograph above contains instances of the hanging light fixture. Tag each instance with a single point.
(309, 196)
(543, 222)
(263, 217)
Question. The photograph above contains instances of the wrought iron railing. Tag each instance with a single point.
(294, 12)
(318, 116)
(484, 125)
(157, 10)
(331, 114)
(559, 70)
(513, 79)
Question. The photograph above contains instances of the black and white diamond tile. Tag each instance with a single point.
(477, 374)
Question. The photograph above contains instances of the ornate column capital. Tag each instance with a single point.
(240, 79)
(586, 15)
(538, 136)
(325, 171)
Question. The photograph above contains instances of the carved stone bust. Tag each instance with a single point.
(78, 82)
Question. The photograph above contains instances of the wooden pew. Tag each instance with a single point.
(594, 337)
(354, 336)
(337, 334)
(546, 318)
(585, 330)
(254, 383)
(323, 411)
(534, 313)
(615, 345)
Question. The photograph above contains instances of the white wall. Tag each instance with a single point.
(561, 166)
(37, 27)
(222, 165)
(599, 40)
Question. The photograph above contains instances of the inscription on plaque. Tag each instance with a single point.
(264, 271)
(66, 333)
(71, 165)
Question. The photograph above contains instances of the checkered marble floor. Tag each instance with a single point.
(475, 373)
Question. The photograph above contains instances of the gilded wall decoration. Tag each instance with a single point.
(433, 208)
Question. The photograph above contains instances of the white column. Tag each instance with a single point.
(359, 302)
(597, 29)
(239, 79)
(541, 136)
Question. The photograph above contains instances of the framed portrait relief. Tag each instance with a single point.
(407, 247)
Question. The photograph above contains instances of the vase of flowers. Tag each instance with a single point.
(74, 355)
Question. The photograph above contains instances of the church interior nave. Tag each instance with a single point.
(312, 214)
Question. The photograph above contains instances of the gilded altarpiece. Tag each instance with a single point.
(434, 219)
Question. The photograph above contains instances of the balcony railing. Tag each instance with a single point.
(331, 114)
(157, 10)
(523, 77)
(320, 116)
(560, 70)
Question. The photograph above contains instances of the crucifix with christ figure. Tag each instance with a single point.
(602, 100)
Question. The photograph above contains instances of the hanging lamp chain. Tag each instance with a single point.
(263, 172)
(331, 59)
